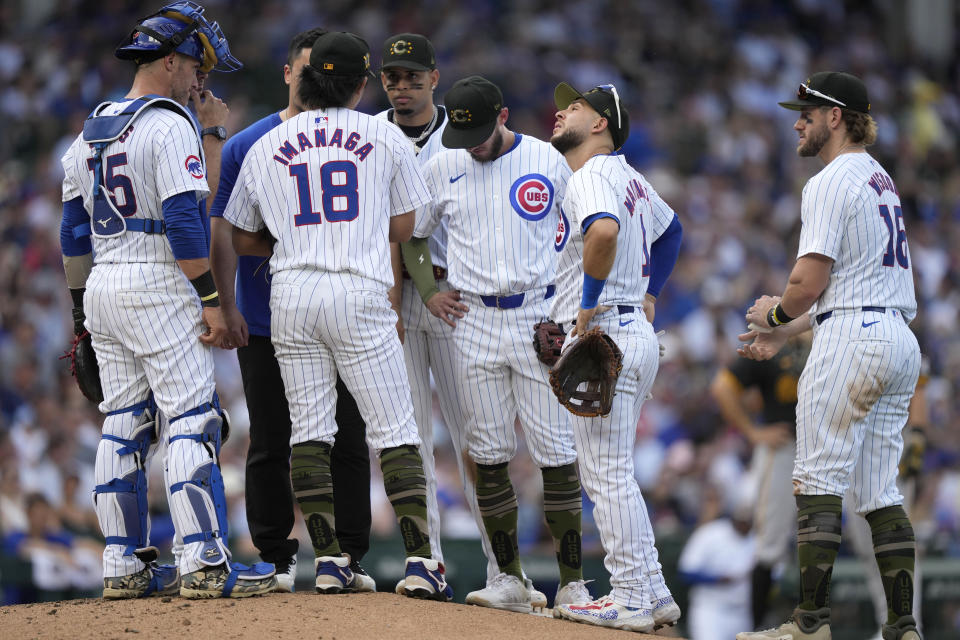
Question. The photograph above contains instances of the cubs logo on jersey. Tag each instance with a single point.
(532, 196)
(563, 232)
(193, 166)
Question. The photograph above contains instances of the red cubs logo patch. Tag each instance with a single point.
(563, 231)
(532, 196)
(193, 166)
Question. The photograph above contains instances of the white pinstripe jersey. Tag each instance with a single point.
(438, 239)
(851, 212)
(502, 216)
(159, 156)
(325, 184)
(607, 184)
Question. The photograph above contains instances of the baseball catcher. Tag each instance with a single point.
(585, 376)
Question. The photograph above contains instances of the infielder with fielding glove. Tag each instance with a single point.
(629, 239)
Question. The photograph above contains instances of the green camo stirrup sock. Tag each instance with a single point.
(818, 540)
(313, 487)
(894, 546)
(498, 508)
(562, 506)
(406, 487)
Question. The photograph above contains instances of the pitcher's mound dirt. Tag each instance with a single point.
(374, 616)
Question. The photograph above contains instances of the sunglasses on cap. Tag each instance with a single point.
(805, 91)
(616, 98)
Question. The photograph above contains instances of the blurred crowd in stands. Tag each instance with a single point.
(701, 78)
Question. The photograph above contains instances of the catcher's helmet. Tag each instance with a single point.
(179, 27)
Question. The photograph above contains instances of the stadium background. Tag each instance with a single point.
(701, 78)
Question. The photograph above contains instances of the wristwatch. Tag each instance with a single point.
(219, 132)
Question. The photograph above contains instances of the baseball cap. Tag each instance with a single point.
(409, 51)
(473, 105)
(603, 99)
(339, 53)
(831, 89)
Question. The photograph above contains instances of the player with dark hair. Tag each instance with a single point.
(269, 496)
(333, 187)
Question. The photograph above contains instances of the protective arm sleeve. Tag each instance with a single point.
(663, 256)
(416, 257)
(185, 228)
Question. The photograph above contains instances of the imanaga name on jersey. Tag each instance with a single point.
(290, 149)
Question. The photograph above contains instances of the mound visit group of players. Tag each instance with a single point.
(349, 256)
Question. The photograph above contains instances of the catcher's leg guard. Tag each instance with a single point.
(199, 502)
(121, 501)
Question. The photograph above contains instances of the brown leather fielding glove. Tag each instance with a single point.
(585, 376)
(547, 341)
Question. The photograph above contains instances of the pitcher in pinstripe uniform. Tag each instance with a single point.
(499, 192)
(133, 180)
(853, 285)
(333, 187)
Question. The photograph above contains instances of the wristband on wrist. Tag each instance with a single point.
(591, 291)
(206, 289)
(776, 316)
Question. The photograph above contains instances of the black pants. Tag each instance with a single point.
(270, 508)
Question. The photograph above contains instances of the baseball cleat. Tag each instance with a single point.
(538, 600)
(287, 575)
(503, 592)
(666, 613)
(802, 625)
(607, 613)
(575, 592)
(156, 580)
(228, 581)
(905, 628)
(361, 583)
(333, 574)
(426, 579)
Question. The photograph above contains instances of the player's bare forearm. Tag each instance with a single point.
(194, 267)
(726, 392)
(223, 259)
(395, 293)
(401, 227)
(809, 278)
(251, 243)
(600, 248)
(211, 112)
(649, 307)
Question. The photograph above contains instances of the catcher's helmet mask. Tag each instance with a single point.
(179, 27)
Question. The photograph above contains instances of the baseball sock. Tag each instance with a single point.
(406, 487)
(818, 540)
(498, 508)
(562, 507)
(313, 488)
(895, 548)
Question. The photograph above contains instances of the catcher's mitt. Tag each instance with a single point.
(83, 361)
(593, 363)
(548, 341)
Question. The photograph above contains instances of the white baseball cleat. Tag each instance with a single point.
(571, 593)
(504, 592)
(286, 576)
(666, 612)
(607, 613)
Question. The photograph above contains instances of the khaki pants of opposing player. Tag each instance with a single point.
(605, 448)
(323, 323)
